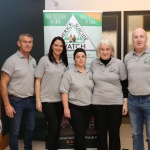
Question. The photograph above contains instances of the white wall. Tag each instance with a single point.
(102, 5)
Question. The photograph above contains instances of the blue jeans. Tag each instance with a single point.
(23, 107)
(139, 111)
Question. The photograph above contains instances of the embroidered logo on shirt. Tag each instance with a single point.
(147, 61)
(90, 77)
(34, 66)
(112, 70)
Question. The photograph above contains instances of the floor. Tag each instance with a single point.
(125, 134)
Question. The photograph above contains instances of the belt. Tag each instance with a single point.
(19, 97)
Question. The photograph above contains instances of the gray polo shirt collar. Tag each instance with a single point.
(111, 61)
(60, 61)
(147, 50)
(76, 70)
(22, 56)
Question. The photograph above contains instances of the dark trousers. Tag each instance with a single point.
(108, 120)
(80, 118)
(53, 113)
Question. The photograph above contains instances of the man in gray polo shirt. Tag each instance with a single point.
(17, 90)
(138, 66)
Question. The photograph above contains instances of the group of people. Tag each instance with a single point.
(106, 90)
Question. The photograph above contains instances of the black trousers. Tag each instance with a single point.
(80, 118)
(53, 113)
(108, 120)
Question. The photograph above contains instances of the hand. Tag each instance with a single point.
(125, 109)
(39, 106)
(10, 111)
(67, 113)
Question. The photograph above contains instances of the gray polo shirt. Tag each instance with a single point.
(138, 68)
(51, 75)
(79, 87)
(108, 89)
(21, 74)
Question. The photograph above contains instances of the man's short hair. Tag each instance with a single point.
(25, 34)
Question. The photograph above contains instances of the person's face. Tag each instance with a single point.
(139, 39)
(25, 44)
(57, 48)
(105, 51)
(80, 59)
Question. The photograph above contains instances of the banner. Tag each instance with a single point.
(79, 29)
(67, 141)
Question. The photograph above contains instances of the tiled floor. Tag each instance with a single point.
(125, 134)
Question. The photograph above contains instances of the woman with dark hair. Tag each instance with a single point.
(76, 88)
(48, 75)
(62, 56)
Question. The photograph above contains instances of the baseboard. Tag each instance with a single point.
(4, 141)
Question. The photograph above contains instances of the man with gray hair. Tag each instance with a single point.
(138, 66)
(17, 90)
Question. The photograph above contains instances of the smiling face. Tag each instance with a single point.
(25, 44)
(80, 59)
(105, 51)
(57, 48)
(139, 39)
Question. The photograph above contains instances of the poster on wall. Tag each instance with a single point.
(79, 29)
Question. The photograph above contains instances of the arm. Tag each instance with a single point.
(64, 89)
(65, 104)
(125, 106)
(37, 93)
(5, 78)
(124, 84)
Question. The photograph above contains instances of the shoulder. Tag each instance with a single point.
(127, 57)
(10, 64)
(128, 54)
(94, 61)
(69, 71)
(44, 59)
(12, 59)
(118, 61)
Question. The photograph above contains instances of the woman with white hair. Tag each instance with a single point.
(109, 100)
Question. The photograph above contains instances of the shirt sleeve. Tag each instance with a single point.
(124, 84)
(65, 83)
(91, 66)
(40, 69)
(8, 67)
(122, 71)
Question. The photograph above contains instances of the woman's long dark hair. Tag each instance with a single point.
(63, 55)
